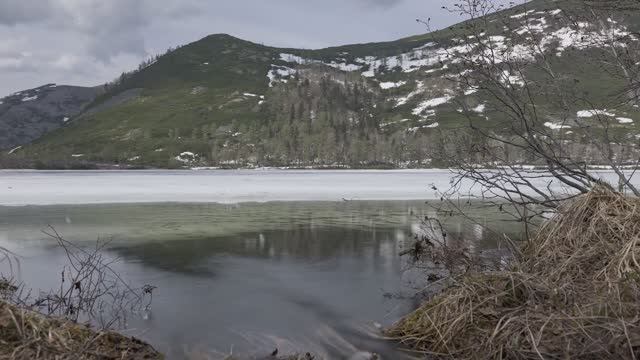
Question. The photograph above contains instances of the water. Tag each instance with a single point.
(300, 276)
(249, 276)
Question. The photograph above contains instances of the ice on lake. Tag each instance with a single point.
(224, 186)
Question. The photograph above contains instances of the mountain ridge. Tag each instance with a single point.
(28, 114)
(227, 102)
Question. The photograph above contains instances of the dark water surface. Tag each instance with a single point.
(247, 278)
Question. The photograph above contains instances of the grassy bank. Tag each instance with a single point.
(573, 291)
(26, 334)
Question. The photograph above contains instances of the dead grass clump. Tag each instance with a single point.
(29, 335)
(574, 294)
(594, 237)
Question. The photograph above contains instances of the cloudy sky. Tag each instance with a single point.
(88, 42)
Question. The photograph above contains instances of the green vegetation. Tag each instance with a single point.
(211, 103)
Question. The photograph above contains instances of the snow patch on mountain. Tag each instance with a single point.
(521, 15)
(508, 78)
(383, 125)
(344, 66)
(404, 99)
(279, 74)
(293, 59)
(479, 109)
(186, 157)
(391, 85)
(585, 35)
(435, 69)
(595, 112)
(427, 114)
(471, 91)
(536, 26)
(431, 103)
(406, 62)
(495, 48)
(554, 126)
(421, 56)
(416, 128)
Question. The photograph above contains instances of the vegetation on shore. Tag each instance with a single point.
(30, 335)
(571, 291)
(79, 318)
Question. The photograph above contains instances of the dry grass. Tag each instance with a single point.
(574, 294)
(29, 335)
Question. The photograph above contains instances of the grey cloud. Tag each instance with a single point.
(14, 12)
(114, 29)
(382, 3)
(104, 46)
(19, 63)
(181, 10)
(87, 42)
(107, 27)
(7, 52)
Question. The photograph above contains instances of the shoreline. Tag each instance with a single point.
(596, 168)
(116, 168)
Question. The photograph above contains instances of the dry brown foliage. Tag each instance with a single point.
(26, 334)
(573, 294)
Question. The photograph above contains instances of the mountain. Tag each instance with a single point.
(223, 101)
(29, 114)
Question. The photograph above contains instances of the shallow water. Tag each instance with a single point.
(299, 276)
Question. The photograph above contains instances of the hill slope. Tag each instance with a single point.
(222, 101)
(28, 114)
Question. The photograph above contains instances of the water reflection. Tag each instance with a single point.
(299, 243)
(297, 276)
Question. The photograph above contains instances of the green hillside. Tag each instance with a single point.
(223, 101)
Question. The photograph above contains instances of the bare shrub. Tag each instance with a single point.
(90, 290)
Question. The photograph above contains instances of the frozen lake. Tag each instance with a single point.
(94, 187)
(221, 186)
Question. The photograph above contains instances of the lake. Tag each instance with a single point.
(243, 261)
(27, 187)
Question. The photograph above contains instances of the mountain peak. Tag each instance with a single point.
(222, 36)
(225, 38)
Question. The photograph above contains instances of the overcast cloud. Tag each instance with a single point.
(88, 42)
